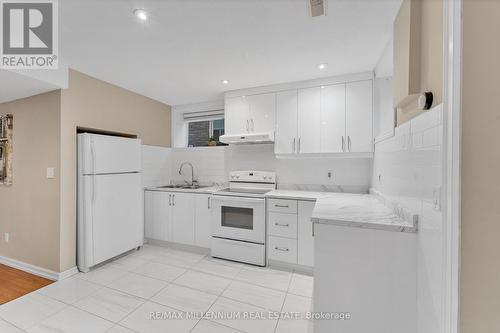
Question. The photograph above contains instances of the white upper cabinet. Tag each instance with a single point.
(326, 116)
(237, 114)
(359, 116)
(262, 112)
(309, 110)
(286, 122)
(333, 117)
(250, 114)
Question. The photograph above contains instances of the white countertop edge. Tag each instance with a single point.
(291, 197)
(366, 225)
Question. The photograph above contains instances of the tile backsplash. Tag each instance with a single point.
(214, 165)
(156, 166)
(407, 169)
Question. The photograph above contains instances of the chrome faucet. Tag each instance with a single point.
(192, 173)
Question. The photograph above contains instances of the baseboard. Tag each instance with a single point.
(178, 246)
(39, 271)
(284, 266)
(67, 273)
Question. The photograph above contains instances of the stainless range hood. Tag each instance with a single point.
(247, 138)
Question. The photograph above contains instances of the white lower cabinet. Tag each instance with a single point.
(169, 216)
(290, 231)
(283, 249)
(305, 239)
(158, 216)
(203, 234)
(183, 218)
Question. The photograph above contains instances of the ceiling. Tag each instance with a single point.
(15, 86)
(181, 54)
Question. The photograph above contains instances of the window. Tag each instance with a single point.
(200, 133)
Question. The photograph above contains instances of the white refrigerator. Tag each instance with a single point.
(110, 198)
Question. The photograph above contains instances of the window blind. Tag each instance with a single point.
(203, 115)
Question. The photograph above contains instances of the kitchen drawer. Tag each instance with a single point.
(283, 206)
(283, 249)
(282, 225)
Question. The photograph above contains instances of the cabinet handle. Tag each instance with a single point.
(298, 149)
(312, 232)
(173, 199)
(343, 144)
(170, 199)
(208, 202)
(349, 143)
(281, 206)
(281, 249)
(293, 146)
(281, 225)
(252, 124)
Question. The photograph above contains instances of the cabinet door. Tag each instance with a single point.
(262, 112)
(305, 239)
(203, 215)
(148, 214)
(158, 222)
(286, 122)
(333, 118)
(309, 110)
(183, 218)
(359, 116)
(236, 115)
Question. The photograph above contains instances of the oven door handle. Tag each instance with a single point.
(223, 198)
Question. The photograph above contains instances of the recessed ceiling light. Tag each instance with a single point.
(322, 66)
(225, 82)
(141, 14)
(322, 87)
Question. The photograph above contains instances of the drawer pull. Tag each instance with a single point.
(281, 225)
(281, 249)
(281, 206)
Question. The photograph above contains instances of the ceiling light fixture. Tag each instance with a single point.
(141, 14)
(225, 82)
(322, 66)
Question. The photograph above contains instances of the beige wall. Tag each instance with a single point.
(92, 103)
(427, 75)
(29, 209)
(480, 277)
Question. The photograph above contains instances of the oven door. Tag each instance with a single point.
(239, 218)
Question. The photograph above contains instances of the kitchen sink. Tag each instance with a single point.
(171, 186)
(187, 187)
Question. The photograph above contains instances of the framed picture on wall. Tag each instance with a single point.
(6, 127)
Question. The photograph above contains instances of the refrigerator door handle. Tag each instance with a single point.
(92, 152)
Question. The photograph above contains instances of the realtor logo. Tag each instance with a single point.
(29, 34)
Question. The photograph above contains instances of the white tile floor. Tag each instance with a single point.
(121, 297)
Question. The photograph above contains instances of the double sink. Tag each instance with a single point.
(186, 187)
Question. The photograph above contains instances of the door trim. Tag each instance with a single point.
(452, 28)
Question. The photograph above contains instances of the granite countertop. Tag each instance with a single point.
(203, 190)
(361, 211)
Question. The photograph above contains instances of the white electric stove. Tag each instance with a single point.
(239, 217)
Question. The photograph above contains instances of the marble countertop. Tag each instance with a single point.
(297, 195)
(203, 190)
(361, 211)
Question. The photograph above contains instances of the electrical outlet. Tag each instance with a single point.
(380, 178)
(436, 198)
(330, 174)
(6, 237)
(50, 173)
